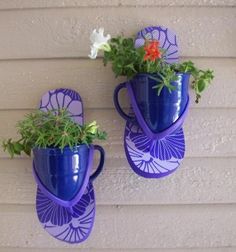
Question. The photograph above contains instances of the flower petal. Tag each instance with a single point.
(100, 41)
(93, 36)
(101, 30)
(94, 52)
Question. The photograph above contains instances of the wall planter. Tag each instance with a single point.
(158, 90)
(154, 140)
(65, 201)
(68, 214)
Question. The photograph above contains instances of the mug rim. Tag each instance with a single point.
(156, 74)
(65, 148)
(58, 151)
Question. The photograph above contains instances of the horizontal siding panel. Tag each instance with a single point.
(52, 33)
(5, 249)
(208, 132)
(131, 227)
(198, 181)
(24, 4)
(96, 83)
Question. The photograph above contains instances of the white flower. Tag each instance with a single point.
(99, 42)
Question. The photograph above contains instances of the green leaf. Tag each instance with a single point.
(201, 85)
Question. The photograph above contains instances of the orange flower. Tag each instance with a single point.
(152, 51)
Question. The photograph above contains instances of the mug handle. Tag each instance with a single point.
(117, 104)
(101, 163)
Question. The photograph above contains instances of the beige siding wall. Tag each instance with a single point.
(44, 45)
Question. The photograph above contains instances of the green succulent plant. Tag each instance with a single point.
(53, 128)
(126, 60)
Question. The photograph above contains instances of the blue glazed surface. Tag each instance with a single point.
(160, 112)
(62, 173)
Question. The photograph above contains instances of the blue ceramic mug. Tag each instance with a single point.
(160, 115)
(65, 173)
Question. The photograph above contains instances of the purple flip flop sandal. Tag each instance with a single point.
(153, 154)
(69, 220)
